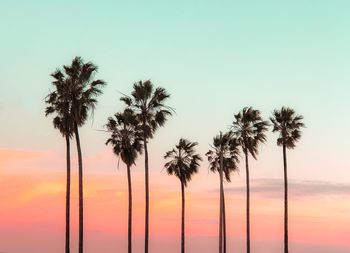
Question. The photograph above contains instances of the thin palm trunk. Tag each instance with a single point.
(221, 204)
(147, 195)
(224, 219)
(248, 201)
(285, 200)
(68, 196)
(183, 218)
(129, 211)
(81, 196)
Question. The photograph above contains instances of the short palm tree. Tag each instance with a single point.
(288, 124)
(58, 104)
(82, 89)
(127, 144)
(183, 162)
(249, 128)
(148, 104)
(223, 158)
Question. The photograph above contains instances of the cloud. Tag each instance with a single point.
(42, 189)
(297, 188)
(14, 154)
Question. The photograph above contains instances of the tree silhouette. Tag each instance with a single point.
(288, 125)
(249, 128)
(82, 90)
(127, 144)
(223, 158)
(58, 103)
(183, 163)
(148, 104)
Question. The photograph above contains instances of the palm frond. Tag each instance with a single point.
(183, 161)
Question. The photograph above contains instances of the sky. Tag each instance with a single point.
(214, 58)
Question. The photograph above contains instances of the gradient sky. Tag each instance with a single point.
(214, 57)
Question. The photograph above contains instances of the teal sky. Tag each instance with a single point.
(214, 57)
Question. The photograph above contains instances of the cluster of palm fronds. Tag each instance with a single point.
(74, 96)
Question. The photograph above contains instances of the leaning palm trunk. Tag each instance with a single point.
(129, 211)
(81, 196)
(147, 195)
(183, 218)
(221, 204)
(68, 196)
(248, 200)
(285, 200)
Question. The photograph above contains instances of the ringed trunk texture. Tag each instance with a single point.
(81, 196)
(68, 196)
(129, 211)
(221, 205)
(285, 200)
(183, 218)
(248, 201)
(147, 196)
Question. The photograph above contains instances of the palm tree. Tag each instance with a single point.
(127, 144)
(82, 90)
(183, 163)
(288, 124)
(148, 104)
(223, 158)
(58, 103)
(249, 128)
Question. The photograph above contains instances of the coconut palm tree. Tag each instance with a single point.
(82, 89)
(183, 162)
(249, 128)
(148, 104)
(288, 124)
(58, 104)
(127, 144)
(223, 158)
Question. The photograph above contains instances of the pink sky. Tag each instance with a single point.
(32, 210)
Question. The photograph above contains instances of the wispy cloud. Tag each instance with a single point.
(297, 188)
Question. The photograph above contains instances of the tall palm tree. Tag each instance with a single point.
(148, 104)
(183, 163)
(58, 104)
(127, 144)
(249, 128)
(223, 158)
(83, 90)
(288, 124)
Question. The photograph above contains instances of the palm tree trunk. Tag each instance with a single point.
(224, 219)
(221, 204)
(68, 196)
(130, 212)
(285, 200)
(248, 200)
(147, 195)
(81, 196)
(183, 218)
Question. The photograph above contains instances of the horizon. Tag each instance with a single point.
(214, 59)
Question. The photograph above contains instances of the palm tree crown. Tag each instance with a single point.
(82, 88)
(288, 124)
(228, 146)
(125, 136)
(58, 103)
(148, 104)
(249, 128)
(183, 161)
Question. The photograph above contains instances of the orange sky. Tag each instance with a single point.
(33, 207)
